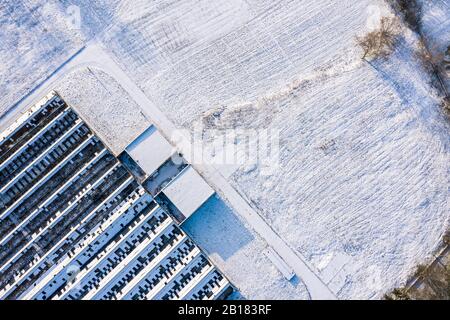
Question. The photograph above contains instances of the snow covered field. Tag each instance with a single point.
(362, 192)
(435, 22)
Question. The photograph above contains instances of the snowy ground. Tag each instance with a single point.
(363, 188)
(105, 105)
(436, 23)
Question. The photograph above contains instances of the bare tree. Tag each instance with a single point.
(380, 43)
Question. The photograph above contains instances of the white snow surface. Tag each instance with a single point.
(362, 192)
(239, 252)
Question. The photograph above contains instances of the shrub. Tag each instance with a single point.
(421, 272)
(398, 294)
(380, 43)
(446, 238)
